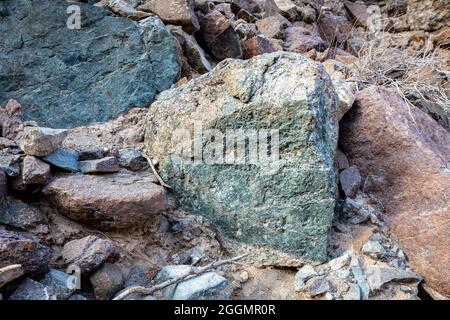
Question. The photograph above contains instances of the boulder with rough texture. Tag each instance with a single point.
(404, 157)
(301, 40)
(284, 202)
(104, 165)
(350, 181)
(177, 12)
(256, 45)
(334, 29)
(20, 215)
(428, 15)
(35, 171)
(10, 121)
(132, 159)
(258, 8)
(59, 283)
(16, 249)
(67, 77)
(106, 281)
(63, 159)
(115, 201)
(273, 26)
(89, 253)
(41, 142)
(32, 290)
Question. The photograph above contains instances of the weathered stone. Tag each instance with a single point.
(302, 276)
(316, 286)
(341, 160)
(358, 274)
(10, 122)
(10, 164)
(353, 293)
(117, 201)
(258, 8)
(377, 276)
(273, 26)
(3, 186)
(350, 181)
(256, 46)
(177, 12)
(10, 273)
(358, 12)
(208, 286)
(428, 15)
(194, 54)
(132, 159)
(106, 281)
(220, 36)
(373, 249)
(272, 92)
(340, 262)
(35, 171)
(126, 9)
(137, 277)
(59, 283)
(66, 77)
(287, 8)
(20, 215)
(63, 159)
(90, 153)
(32, 290)
(7, 143)
(89, 253)
(105, 165)
(41, 142)
(301, 40)
(15, 249)
(308, 13)
(334, 29)
(409, 176)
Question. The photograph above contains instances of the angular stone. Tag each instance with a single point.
(316, 286)
(350, 181)
(90, 153)
(405, 154)
(10, 164)
(340, 262)
(353, 293)
(428, 15)
(115, 201)
(287, 8)
(41, 142)
(10, 273)
(66, 77)
(20, 215)
(89, 253)
(334, 29)
(220, 36)
(132, 159)
(273, 26)
(358, 12)
(208, 286)
(194, 54)
(302, 276)
(256, 46)
(15, 249)
(293, 193)
(301, 40)
(63, 159)
(373, 249)
(377, 276)
(32, 290)
(59, 283)
(106, 281)
(177, 12)
(10, 122)
(342, 161)
(105, 165)
(35, 171)
(7, 143)
(258, 8)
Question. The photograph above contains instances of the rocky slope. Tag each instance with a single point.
(163, 136)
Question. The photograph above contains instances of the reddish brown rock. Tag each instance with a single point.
(15, 249)
(334, 29)
(10, 121)
(256, 46)
(220, 36)
(301, 40)
(177, 12)
(350, 181)
(258, 8)
(35, 171)
(273, 26)
(113, 201)
(404, 156)
(358, 12)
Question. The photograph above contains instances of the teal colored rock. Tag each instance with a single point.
(281, 110)
(65, 78)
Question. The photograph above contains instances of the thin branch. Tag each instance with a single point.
(192, 273)
(160, 180)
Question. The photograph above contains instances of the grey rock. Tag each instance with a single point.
(32, 290)
(67, 78)
(17, 249)
(132, 159)
(208, 286)
(137, 277)
(358, 274)
(284, 202)
(353, 293)
(3, 186)
(357, 210)
(302, 276)
(10, 164)
(350, 180)
(106, 281)
(373, 249)
(40, 142)
(63, 159)
(7, 143)
(105, 165)
(35, 171)
(90, 153)
(78, 297)
(340, 262)
(10, 273)
(377, 276)
(316, 286)
(20, 215)
(341, 160)
(58, 282)
(89, 253)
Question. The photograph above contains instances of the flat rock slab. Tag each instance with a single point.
(71, 77)
(283, 201)
(404, 157)
(114, 201)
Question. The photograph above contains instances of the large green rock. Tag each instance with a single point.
(282, 200)
(65, 78)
